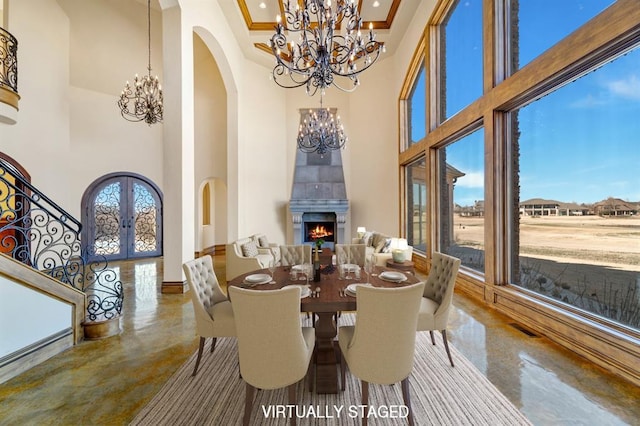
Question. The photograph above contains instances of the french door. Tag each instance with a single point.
(123, 218)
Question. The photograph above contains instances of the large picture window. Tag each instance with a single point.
(532, 15)
(461, 47)
(416, 195)
(579, 193)
(417, 108)
(542, 202)
(462, 200)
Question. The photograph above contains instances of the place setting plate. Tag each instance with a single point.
(351, 288)
(256, 279)
(304, 290)
(393, 276)
(301, 267)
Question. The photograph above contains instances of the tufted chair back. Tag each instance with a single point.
(380, 348)
(386, 318)
(351, 253)
(295, 254)
(205, 293)
(438, 296)
(213, 312)
(442, 278)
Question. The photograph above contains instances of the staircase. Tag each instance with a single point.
(45, 278)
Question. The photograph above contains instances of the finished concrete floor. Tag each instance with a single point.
(106, 382)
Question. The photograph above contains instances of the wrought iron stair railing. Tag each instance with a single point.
(37, 232)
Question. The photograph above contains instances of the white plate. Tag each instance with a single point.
(351, 288)
(300, 267)
(257, 278)
(304, 290)
(393, 276)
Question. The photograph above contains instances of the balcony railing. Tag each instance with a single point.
(8, 69)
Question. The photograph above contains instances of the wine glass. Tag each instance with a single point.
(372, 261)
(368, 268)
(348, 271)
(308, 270)
(272, 269)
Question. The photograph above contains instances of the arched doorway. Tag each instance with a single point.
(122, 217)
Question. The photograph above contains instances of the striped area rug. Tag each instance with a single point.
(440, 395)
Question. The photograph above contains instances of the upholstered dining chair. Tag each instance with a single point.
(438, 297)
(295, 254)
(213, 312)
(380, 347)
(275, 350)
(351, 253)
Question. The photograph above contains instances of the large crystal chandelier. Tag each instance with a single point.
(329, 44)
(320, 132)
(146, 94)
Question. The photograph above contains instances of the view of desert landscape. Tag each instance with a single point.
(591, 262)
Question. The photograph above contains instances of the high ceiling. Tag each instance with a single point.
(253, 22)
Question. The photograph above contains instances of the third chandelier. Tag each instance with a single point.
(320, 132)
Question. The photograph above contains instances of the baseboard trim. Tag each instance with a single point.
(22, 360)
(206, 251)
(174, 287)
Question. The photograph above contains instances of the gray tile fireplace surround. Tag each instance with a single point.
(319, 188)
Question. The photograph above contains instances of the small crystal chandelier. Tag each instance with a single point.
(146, 94)
(321, 54)
(320, 132)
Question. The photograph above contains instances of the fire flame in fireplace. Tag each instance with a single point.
(319, 232)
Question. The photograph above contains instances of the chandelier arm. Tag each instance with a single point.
(368, 61)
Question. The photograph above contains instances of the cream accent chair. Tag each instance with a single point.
(275, 350)
(238, 263)
(351, 253)
(295, 254)
(213, 312)
(380, 347)
(438, 297)
(272, 247)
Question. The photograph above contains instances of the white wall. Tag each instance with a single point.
(210, 130)
(69, 129)
(43, 75)
(263, 159)
(255, 128)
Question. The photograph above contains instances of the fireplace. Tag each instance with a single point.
(318, 203)
(318, 226)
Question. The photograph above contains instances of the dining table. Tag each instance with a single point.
(325, 299)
